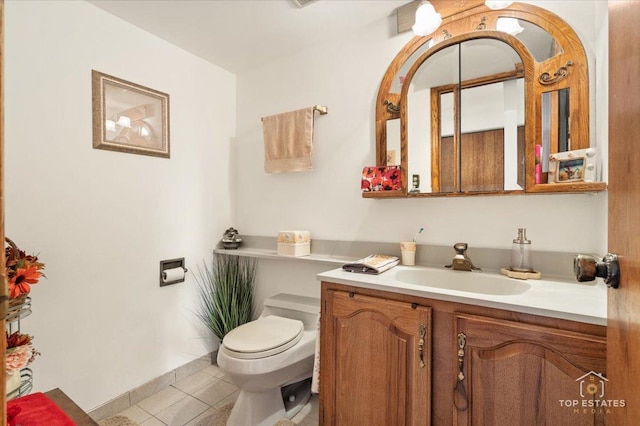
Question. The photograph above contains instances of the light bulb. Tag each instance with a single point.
(497, 4)
(427, 20)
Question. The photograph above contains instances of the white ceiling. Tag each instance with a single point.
(239, 34)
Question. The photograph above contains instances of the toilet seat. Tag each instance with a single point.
(263, 337)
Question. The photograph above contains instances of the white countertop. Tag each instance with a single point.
(583, 302)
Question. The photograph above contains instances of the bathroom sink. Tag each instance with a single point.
(472, 282)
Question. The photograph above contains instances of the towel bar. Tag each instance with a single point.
(321, 109)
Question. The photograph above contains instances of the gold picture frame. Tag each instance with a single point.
(128, 117)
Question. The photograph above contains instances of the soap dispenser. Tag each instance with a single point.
(521, 253)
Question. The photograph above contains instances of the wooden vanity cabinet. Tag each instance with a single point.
(376, 361)
(524, 374)
(518, 369)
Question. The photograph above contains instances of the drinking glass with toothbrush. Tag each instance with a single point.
(408, 250)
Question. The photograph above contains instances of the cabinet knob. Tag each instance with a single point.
(587, 268)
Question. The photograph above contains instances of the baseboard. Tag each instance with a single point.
(132, 397)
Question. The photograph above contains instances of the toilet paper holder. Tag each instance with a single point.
(167, 273)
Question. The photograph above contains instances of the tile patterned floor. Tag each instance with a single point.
(197, 396)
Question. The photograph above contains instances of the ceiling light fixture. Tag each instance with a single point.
(509, 26)
(427, 19)
(497, 4)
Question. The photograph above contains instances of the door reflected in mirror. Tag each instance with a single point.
(492, 137)
(466, 118)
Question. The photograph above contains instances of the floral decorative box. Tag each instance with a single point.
(294, 243)
(381, 178)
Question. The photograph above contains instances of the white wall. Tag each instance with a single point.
(344, 74)
(102, 220)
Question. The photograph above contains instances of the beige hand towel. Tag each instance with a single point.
(288, 141)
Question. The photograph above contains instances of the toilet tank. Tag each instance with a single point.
(303, 308)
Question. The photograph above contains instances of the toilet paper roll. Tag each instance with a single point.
(174, 274)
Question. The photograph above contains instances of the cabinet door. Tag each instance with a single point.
(374, 369)
(521, 374)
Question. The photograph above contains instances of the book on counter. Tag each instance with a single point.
(372, 264)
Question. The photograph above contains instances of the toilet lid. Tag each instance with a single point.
(263, 337)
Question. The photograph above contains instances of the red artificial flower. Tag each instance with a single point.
(20, 282)
(16, 339)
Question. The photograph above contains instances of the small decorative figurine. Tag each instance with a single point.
(230, 239)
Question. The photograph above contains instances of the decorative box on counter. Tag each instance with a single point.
(294, 243)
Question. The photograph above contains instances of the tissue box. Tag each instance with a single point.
(294, 243)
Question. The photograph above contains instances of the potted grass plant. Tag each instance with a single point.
(226, 293)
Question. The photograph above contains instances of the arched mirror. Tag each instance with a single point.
(465, 119)
(482, 105)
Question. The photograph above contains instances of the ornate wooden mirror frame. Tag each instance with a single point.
(568, 68)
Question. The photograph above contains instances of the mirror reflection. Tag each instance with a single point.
(396, 84)
(465, 121)
(441, 70)
(539, 42)
(393, 142)
(473, 99)
(556, 136)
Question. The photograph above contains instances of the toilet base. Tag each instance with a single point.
(300, 393)
(266, 408)
(259, 409)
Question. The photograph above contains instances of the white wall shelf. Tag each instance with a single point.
(272, 254)
(335, 253)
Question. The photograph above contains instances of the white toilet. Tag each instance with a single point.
(271, 360)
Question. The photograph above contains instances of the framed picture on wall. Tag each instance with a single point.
(573, 166)
(128, 117)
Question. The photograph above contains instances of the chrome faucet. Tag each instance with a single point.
(461, 261)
